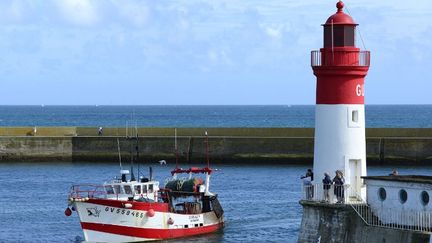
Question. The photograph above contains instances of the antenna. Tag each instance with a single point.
(119, 153)
(127, 125)
(137, 148)
(132, 156)
(175, 146)
(207, 149)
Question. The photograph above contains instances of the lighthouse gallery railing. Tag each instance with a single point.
(317, 193)
(340, 58)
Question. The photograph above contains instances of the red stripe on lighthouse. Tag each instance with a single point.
(340, 90)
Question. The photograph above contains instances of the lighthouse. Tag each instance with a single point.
(340, 68)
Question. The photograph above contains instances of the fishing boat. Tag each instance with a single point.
(129, 210)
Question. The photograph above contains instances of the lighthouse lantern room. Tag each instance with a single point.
(340, 68)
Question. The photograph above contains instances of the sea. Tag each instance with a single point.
(260, 201)
(415, 116)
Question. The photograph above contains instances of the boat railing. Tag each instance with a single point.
(192, 170)
(334, 193)
(183, 193)
(87, 191)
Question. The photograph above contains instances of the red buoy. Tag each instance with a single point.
(68, 212)
(150, 213)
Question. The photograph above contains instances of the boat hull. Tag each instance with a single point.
(105, 220)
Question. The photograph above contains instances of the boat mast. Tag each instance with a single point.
(207, 149)
(132, 157)
(207, 173)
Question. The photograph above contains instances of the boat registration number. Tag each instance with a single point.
(132, 213)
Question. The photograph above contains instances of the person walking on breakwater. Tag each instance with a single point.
(339, 182)
(394, 173)
(100, 131)
(326, 186)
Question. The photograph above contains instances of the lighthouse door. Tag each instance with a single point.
(354, 178)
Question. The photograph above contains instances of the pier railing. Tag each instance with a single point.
(335, 193)
(420, 221)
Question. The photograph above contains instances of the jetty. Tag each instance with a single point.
(384, 146)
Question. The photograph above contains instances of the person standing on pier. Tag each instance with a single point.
(326, 186)
(307, 184)
(339, 182)
(309, 173)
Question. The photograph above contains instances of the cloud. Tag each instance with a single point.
(157, 43)
(79, 12)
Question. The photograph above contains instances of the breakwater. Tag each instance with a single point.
(385, 146)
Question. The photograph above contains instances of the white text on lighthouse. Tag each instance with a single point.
(359, 90)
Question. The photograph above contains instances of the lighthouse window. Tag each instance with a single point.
(336, 35)
(403, 196)
(424, 196)
(382, 194)
(354, 116)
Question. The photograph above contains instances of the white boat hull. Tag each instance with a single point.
(105, 220)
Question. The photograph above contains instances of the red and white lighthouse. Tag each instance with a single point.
(340, 68)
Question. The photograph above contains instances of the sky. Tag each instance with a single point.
(206, 52)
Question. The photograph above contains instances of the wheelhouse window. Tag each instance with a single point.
(144, 189)
(109, 190)
(137, 189)
(150, 188)
(127, 189)
(117, 189)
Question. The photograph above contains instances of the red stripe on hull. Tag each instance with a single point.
(145, 206)
(150, 233)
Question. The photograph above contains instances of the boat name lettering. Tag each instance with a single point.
(133, 213)
(194, 218)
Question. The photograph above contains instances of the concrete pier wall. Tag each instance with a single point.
(339, 223)
(35, 149)
(284, 145)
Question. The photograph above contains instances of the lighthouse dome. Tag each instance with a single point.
(340, 17)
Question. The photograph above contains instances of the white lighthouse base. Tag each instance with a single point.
(340, 144)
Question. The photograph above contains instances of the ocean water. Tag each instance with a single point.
(416, 116)
(260, 202)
